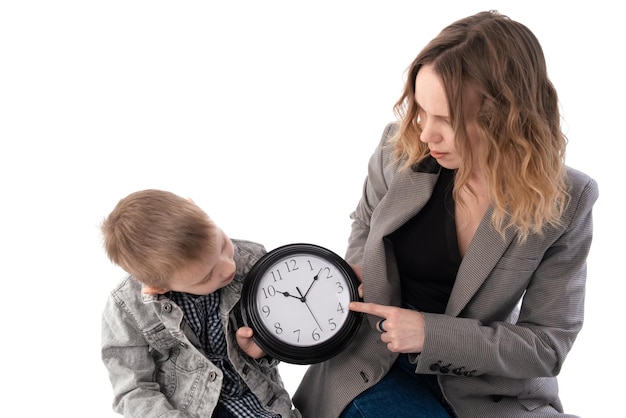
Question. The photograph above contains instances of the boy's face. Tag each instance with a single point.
(214, 272)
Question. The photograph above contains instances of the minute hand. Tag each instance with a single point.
(311, 285)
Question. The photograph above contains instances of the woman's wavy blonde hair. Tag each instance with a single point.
(518, 119)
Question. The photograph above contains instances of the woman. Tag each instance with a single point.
(472, 238)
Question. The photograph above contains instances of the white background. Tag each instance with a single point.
(265, 113)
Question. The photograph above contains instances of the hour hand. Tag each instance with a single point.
(287, 295)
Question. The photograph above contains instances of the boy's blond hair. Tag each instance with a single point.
(153, 233)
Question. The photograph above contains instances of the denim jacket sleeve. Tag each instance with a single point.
(125, 353)
(139, 351)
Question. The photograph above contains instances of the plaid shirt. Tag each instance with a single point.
(202, 315)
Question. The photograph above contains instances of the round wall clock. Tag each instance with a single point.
(296, 298)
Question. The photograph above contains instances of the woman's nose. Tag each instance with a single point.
(426, 136)
(429, 133)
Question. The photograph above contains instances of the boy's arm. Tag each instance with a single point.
(131, 368)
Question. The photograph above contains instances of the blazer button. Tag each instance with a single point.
(445, 369)
(212, 376)
(167, 307)
(434, 367)
(458, 371)
(469, 374)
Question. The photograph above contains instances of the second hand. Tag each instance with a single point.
(303, 299)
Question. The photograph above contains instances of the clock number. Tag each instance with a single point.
(266, 310)
(340, 308)
(276, 276)
(332, 324)
(277, 328)
(297, 332)
(339, 287)
(328, 273)
(315, 335)
(291, 265)
(269, 292)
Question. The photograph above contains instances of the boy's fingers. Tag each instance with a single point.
(245, 332)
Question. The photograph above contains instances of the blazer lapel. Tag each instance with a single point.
(407, 194)
(484, 251)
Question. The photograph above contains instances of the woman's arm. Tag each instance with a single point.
(375, 187)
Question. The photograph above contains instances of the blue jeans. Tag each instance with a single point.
(400, 394)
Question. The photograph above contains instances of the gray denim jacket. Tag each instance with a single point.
(154, 365)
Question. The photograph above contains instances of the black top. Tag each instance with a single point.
(427, 251)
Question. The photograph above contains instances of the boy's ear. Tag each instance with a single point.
(148, 290)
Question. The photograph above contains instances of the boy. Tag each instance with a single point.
(171, 336)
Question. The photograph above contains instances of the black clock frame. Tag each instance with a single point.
(284, 351)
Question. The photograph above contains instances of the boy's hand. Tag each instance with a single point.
(244, 339)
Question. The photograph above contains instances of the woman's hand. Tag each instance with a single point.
(247, 344)
(402, 329)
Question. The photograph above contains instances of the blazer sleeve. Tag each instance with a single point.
(551, 313)
(379, 175)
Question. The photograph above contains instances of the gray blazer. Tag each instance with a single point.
(512, 317)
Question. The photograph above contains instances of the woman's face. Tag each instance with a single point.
(434, 118)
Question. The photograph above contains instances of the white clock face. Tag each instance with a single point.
(303, 300)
